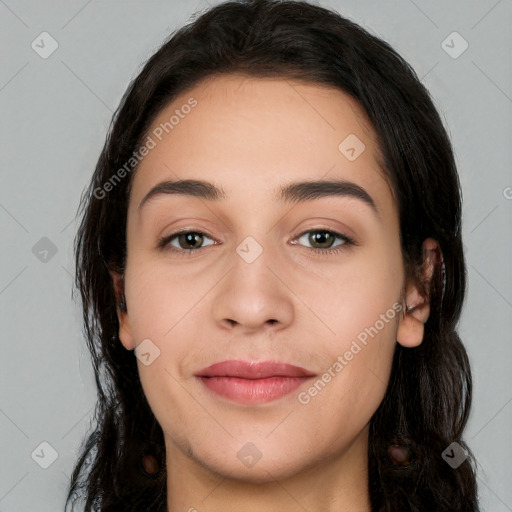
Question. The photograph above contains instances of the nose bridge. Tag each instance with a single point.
(251, 295)
(251, 277)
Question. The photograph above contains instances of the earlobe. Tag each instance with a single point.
(125, 331)
(411, 326)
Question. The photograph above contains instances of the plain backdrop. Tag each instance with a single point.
(55, 111)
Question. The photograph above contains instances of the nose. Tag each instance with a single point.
(254, 296)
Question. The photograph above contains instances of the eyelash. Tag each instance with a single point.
(163, 242)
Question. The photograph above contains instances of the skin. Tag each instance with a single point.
(250, 136)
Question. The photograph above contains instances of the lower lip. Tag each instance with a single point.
(253, 391)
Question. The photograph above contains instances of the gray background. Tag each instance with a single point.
(55, 113)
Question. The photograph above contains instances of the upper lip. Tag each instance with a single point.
(253, 370)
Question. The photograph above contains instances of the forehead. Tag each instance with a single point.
(254, 134)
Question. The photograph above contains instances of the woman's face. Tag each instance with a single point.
(279, 270)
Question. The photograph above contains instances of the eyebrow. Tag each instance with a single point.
(294, 192)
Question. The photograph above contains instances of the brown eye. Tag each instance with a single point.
(322, 239)
(185, 241)
(190, 240)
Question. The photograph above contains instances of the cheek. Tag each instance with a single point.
(354, 380)
(160, 297)
(160, 305)
(166, 306)
(361, 307)
(352, 297)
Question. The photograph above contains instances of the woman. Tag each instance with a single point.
(271, 269)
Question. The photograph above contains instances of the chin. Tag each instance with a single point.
(261, 472)
(259, 461)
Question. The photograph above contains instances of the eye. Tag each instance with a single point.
(184, 241)
(324, 240)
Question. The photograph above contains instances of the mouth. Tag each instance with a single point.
(253, 382)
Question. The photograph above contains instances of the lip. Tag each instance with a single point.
(254, 382)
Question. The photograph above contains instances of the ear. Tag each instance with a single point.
(412, 322)
(125, 330)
